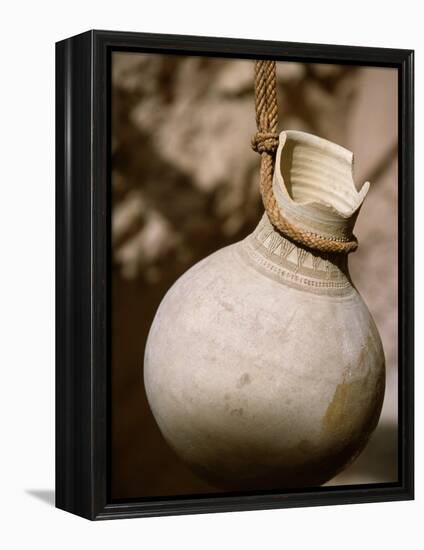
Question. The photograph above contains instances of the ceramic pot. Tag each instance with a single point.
(263, 366)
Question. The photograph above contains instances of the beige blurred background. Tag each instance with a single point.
(185, 183)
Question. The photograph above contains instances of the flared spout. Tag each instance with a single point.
(314, 187)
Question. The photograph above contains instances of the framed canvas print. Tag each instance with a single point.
(234, 229)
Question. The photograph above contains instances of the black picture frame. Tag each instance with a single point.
(82, 272)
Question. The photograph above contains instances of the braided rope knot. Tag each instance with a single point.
(265, 142)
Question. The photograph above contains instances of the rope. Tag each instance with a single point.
(265, 142)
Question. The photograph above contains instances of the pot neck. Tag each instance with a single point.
(269, 252)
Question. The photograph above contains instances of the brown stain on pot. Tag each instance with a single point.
(350, 400)
(361, 398)
(355, 407)
(336, 413)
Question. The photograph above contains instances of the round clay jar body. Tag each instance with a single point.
(263, 366)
